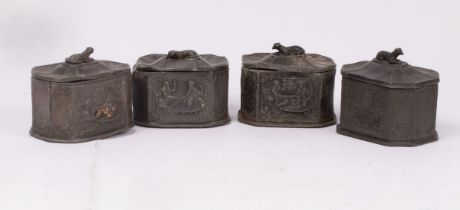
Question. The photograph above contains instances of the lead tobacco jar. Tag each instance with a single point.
(288, 88)
(181, 89)
(81, 99)
(388, 101)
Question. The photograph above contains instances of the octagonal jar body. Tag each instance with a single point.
(389, 102)
(287, 90)
(172, 91)
(77, 102)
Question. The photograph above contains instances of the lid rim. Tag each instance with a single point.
(394, 85)
(316, 70)
(148, 69)
(83, 79)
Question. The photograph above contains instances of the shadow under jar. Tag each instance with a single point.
(181, 89)
(81, 99)
(388, 101)
(288, 88)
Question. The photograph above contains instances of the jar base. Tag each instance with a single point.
(101, 136)
(286, 124)
(387, 142)
(182, 125)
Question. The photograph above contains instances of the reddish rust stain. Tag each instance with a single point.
(106, 111)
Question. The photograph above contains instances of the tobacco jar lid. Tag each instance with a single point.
(291, 58)
(186, 60)
(78, 67)
(388, 71)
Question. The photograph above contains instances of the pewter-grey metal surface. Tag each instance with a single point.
(388, 101)
(287, 89)
(81, 100)
(181, 89)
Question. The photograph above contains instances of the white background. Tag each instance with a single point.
(232, 167)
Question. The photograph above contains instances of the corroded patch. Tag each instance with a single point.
(106, 111)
